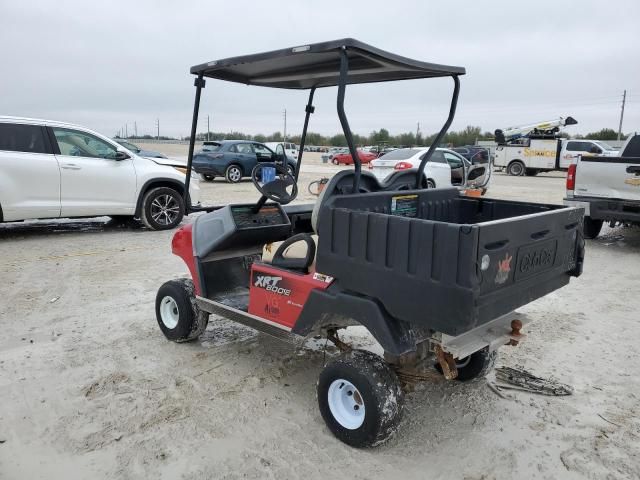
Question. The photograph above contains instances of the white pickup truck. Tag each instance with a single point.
(608, 188)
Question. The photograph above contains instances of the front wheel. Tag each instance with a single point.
(208, 178)
(360, 399)
(591, 227)
(162, 208)
(431, 183)
(177, 313)
(516, 168)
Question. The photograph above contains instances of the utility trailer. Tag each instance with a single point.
(434, 276)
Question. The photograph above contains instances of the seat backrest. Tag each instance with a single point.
(341, 184)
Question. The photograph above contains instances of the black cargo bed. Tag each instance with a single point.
(420, 253)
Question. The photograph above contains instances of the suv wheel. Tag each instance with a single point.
(233, 174)
(162, 208)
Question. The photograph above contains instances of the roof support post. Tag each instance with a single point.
(309, 109)
(441, 134)
(342, 84)
(199, 84)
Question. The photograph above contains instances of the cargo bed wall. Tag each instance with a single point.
(418, 252)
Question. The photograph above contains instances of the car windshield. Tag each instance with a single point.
(400, 154)
(605, 146)
(130, 146)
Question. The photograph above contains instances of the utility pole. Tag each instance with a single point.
(417, 132)
(208, 129)
(158, 128)
(285, 125)
(624, 98)
(135, 128)
(126, 132)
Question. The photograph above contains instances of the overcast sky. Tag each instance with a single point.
(107, 64)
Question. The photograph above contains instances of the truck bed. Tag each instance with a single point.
(446, 262)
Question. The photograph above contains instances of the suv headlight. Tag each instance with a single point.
(183, 170)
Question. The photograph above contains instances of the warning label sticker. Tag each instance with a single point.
(404, 205)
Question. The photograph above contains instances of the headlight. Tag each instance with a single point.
(183, 170)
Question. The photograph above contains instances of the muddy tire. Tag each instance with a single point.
(233, 173)
(516, 168)
(162, 208)
(591, 227)
(476, 365)
(177, 313)
(360, 399)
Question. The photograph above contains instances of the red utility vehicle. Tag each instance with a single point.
(434, 276)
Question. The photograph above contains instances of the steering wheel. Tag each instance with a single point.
(276, 189)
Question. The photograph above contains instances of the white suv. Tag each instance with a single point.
(57, 170)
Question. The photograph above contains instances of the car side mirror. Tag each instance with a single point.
(121, 156)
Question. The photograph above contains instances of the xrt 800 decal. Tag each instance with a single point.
(272, 284)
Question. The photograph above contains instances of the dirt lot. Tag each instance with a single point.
(89, 387)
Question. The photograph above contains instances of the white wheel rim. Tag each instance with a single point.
(169, 312)
(346, 404)
(463, 362)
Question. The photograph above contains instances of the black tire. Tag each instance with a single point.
(476, 365)
(431, 183)
(378, 392)
(233, 173)
(334, 161)
(531, 172)
(178, 296)
(162, 208)
(208, 178)
(291, 169)
(591, 227)
(516, 168)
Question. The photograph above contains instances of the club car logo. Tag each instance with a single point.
(504, 267)
(271, 284)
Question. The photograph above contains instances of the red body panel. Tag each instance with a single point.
(345, 158)
(279, 295)
(182, 246)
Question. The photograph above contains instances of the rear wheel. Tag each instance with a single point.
(591, 227)
(335, 162)
(516, 168)
(431, 183)
(177, 313)
(360, 399)
(476, 365)
(162, 208)
(233, 174)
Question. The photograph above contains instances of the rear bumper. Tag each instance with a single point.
(607, 209)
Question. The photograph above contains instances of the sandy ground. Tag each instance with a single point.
(89, 387)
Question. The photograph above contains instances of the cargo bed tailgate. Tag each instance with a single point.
(519, 257)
